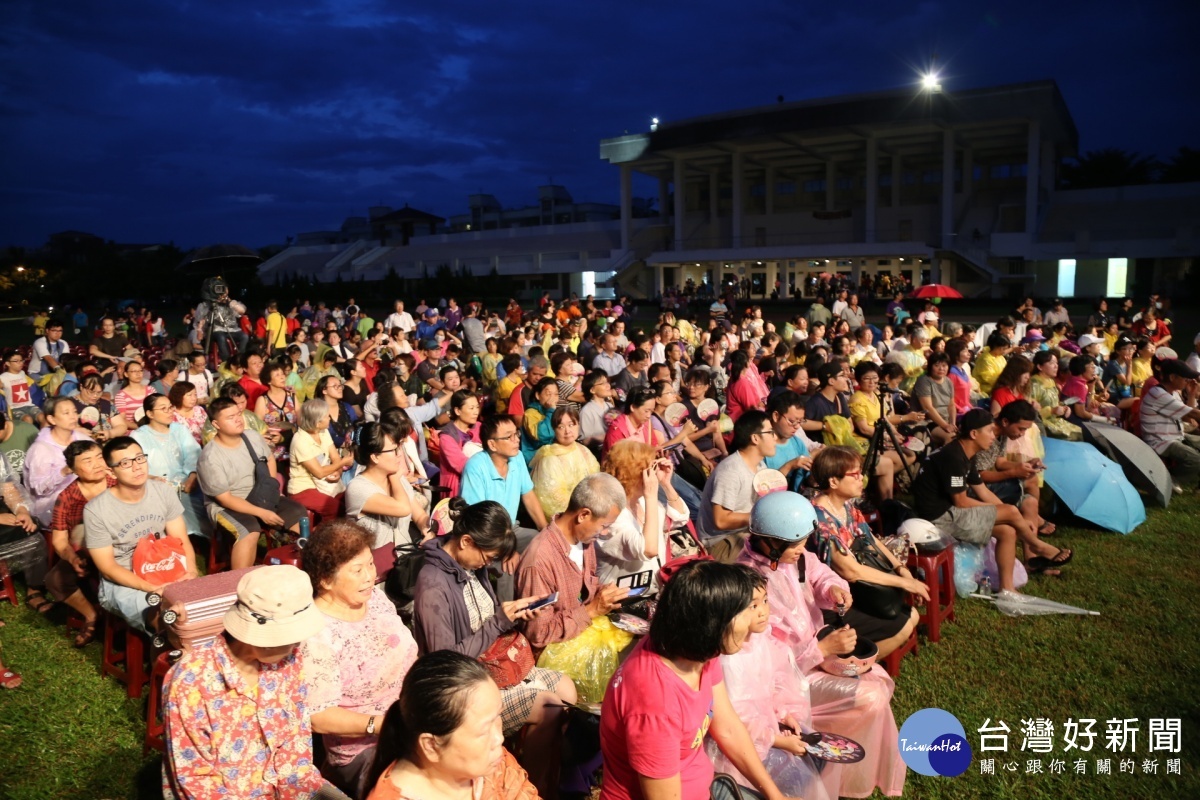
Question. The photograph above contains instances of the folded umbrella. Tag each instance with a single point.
(1092, 486)
(1144, 468)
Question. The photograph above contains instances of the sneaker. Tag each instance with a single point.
(1176, 488)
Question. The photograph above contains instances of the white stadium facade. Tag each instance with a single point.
(954, 187)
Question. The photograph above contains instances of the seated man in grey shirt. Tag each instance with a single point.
(229, 473)
(118, 518)
(729, 493)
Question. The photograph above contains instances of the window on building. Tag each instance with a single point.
(999, 171)
(785, 187)
(814, 186)
(758, 190)
(1118, 274)
(883, 262)
(847, 182)
(1066, 277)
(909, 179)
(931, 176)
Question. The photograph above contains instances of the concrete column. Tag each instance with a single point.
(626, 206)
(947, 188)
(1032, 177)
(664, 199)
(968, 173)
(769, 192)
(897, 177)
(872, 188)
(739, 179)
(830, 184)
(785, 293)
(714, 197)
(679, 186)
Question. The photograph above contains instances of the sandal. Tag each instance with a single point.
(36, 601)
(1047, 529)
(86, 635)
(9, 679)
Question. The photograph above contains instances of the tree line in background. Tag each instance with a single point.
(1113, 166)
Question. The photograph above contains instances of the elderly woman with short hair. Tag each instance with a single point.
(356, 665)
(316, 466)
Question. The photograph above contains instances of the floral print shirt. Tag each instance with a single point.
(358, 666)
(228, 739)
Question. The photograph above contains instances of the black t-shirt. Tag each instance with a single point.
(428, 371)
(819, 407)
(943, 475)
(114, 347)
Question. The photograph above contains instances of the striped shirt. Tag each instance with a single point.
(1162, 416)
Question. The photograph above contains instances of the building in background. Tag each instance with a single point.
(955, 187)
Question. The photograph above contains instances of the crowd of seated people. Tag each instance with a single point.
(557, 454)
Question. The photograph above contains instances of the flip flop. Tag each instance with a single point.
(9, 679)
(1042, 531)
(1039, 564)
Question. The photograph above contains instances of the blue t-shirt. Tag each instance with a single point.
(785, 452)
(480, 482)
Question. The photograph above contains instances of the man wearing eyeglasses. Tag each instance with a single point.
(117, 519)
(499, 473)
(729, 492)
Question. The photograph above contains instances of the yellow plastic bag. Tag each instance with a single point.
(839, 431)
(590, 658)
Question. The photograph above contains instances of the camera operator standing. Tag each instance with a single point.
(223, 312)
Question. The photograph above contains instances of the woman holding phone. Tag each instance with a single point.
(455, 608)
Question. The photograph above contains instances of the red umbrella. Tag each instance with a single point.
(937, 290)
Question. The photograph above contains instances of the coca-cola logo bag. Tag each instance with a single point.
(159, 560)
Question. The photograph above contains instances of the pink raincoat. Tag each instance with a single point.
(858, 708)
(764, 687)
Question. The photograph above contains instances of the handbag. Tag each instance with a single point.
(884, 602)
(265, 493)
(401, 583)
(159, 560)
(509, 659)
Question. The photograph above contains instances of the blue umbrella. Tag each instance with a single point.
(1092, 486)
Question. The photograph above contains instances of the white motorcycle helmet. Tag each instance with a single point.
(924, 535)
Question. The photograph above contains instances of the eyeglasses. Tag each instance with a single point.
(767, 432)
(126, 463)
(389, 450)
(508, 438)
(855, 474)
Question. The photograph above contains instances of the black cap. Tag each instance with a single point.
(1176, 367)
(973, 420)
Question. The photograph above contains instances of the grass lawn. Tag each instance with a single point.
(68, 734)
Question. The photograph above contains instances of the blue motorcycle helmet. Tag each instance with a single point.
(783, 518)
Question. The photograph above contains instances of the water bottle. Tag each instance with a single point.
(304, 531)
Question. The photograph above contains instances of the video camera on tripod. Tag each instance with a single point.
(214, 290)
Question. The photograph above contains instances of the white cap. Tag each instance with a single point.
(1088, 339)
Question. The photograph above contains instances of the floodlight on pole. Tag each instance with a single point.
(930, 82)
(654, 123)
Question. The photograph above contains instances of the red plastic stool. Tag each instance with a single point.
(127, 665)
(939, 577)
(8, 591)
(155, 725)
(892, 662)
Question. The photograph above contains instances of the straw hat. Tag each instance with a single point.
(274, 608)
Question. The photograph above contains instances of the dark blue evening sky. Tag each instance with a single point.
(222, 121)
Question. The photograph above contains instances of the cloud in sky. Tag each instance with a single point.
(155, 120)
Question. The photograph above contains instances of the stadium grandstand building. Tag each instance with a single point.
(951, 187)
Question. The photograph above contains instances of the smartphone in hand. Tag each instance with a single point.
(545, 601)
